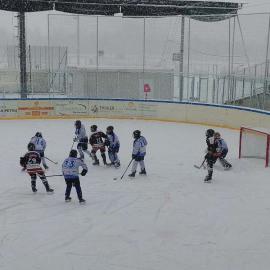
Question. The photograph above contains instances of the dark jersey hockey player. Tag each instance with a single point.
(211, 155)
(96, 140)
(31, 160)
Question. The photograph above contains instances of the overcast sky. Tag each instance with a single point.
(38, 21)
(255, 32)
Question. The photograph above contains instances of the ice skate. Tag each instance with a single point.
(142, 172)
(132, 174)
(82, 201)
(207, 178)
(96, 162)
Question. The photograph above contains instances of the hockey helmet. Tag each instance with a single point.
(109, 130)
(209, 133)
(93, 128)
(217, 135)
(73, 153)
(136, 134)
(39, 134)
(31, 147)
(78, 124)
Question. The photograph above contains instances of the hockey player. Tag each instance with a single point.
(222, 150)
(211, 155)
(40, 146)
(81, 138)
(70, 169)
(96, 140)
(31, 161)
(138, 153)
(113, 144)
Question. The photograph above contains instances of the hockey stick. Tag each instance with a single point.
(202, 165)
(54, 162)
(53, 175)
(72, 145)
(124, 171)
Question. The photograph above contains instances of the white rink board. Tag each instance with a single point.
(216, 115)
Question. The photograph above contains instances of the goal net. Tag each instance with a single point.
(254, 144)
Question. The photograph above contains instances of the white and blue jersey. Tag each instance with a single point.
(80, 133)
(221, 146)
(139, 147)
(39, 142)
(70, 167)
(114, 142)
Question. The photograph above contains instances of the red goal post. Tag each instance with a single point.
(254, 143)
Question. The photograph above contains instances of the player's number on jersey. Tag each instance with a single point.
(32, 160)
(99, 140)
(69, 163)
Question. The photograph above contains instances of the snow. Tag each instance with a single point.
(169, 219)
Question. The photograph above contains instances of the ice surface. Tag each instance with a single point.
(168, 220)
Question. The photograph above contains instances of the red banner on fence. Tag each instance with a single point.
(146, 88)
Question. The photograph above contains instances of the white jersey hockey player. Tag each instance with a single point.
(81, 138)
(70, 169)
(40, 146)
(138, 153)
(113, 144)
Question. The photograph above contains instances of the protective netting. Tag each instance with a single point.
(224, 62)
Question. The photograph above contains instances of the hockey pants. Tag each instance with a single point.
(135, 164)
(42, 178)
(222, 159)
(113, 157)
(210, 163)
(94, 156)
(81, 150)
(76, 183)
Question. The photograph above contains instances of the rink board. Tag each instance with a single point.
(206, 114)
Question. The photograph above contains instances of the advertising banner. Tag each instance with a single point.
(35, 108)
(123, 109)
(8, 109)
(71, 107)
(225, 116)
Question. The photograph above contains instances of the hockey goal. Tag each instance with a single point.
(254, 144)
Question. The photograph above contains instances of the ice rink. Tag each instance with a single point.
(169, 219)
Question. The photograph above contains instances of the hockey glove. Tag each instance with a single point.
(134, 156)
(107, 143)
(216, 155)
(208, 155)
(84, 172)
(22, 161)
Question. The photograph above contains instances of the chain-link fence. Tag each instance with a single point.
(166, 58)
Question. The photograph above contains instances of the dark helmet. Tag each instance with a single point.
(217, 135)
(73, 153)
(39, 134)
(93, 128)
(78, 124)
(136, 134)
(209, 133)
(31, 147)
(109, 130)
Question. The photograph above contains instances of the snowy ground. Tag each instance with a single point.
(169, 220)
